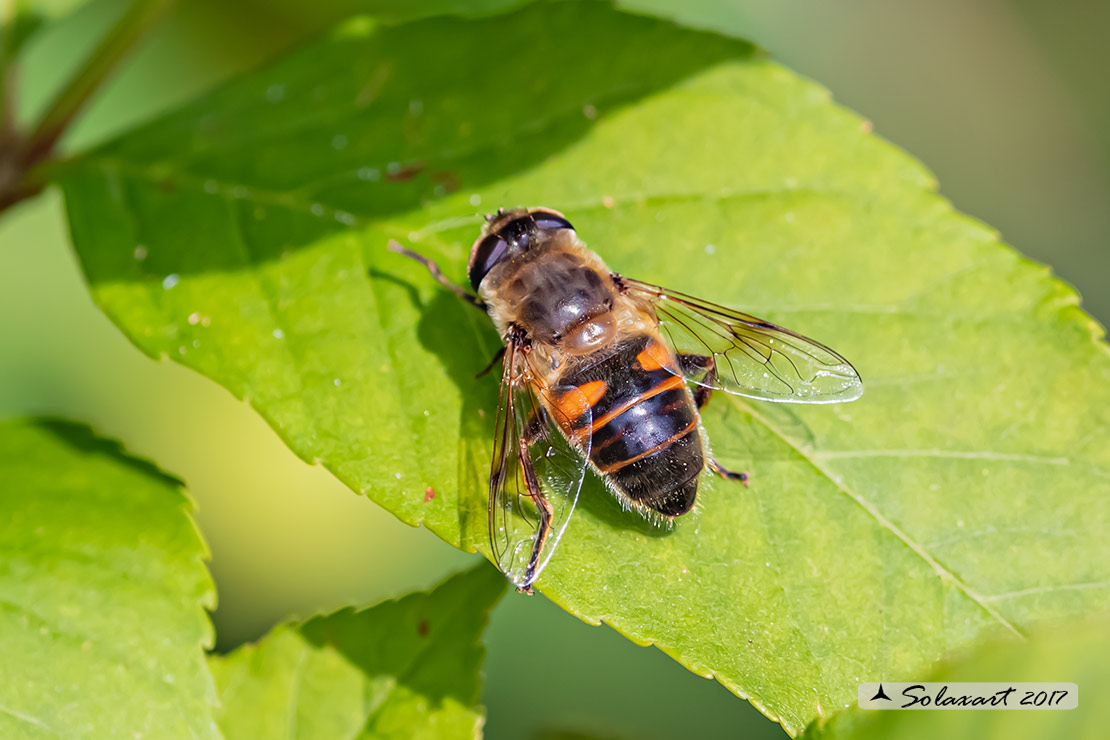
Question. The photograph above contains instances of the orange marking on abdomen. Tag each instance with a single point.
(593, 391)
(569, 404)
(654, 357)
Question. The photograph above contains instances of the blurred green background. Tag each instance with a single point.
(1005, 101)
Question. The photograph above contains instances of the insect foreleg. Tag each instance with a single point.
(433, 268)
(496, 358)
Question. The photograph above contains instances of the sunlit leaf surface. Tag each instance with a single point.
(965, 495)
(102, 589)
(403, 669)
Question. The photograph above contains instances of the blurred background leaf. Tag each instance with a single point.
(244, 235)
(103, 588)
(402, 669)
(21, 19)
(1074, 655)
(979, 92)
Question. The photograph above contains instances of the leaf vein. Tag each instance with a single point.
(1047, 589)
(945, 454)
(28, 719)
(942, 572)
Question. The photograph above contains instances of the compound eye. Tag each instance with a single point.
(550, 220)
(486, 254)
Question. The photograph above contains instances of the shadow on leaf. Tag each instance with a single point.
(368, 125)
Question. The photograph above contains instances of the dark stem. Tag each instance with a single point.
(131, 27)
(20, 155)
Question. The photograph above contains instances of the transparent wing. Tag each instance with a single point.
(536, 472)
(750, 357)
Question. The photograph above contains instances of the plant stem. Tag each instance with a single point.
(60, 114)
(10, 13)
(24, 160)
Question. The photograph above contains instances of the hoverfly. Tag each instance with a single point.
(594, 374)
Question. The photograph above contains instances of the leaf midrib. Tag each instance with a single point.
(396, 225)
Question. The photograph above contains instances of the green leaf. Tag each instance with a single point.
(21, 19)
(964, 496)
(409, 668)
(389, 11)
(102, 589)
(1077, 655)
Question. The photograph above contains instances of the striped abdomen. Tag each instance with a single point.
(645, 426)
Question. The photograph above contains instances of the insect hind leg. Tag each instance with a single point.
(706, 366)
(692, 365)
(725, 473)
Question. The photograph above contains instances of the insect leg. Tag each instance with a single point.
(727, 474)
(694, 364)
(496, 358)
(533, 428)
(543, 506)
(433, 268)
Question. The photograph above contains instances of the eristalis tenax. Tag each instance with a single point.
(596, 373)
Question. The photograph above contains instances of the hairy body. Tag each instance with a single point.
(588, 334)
